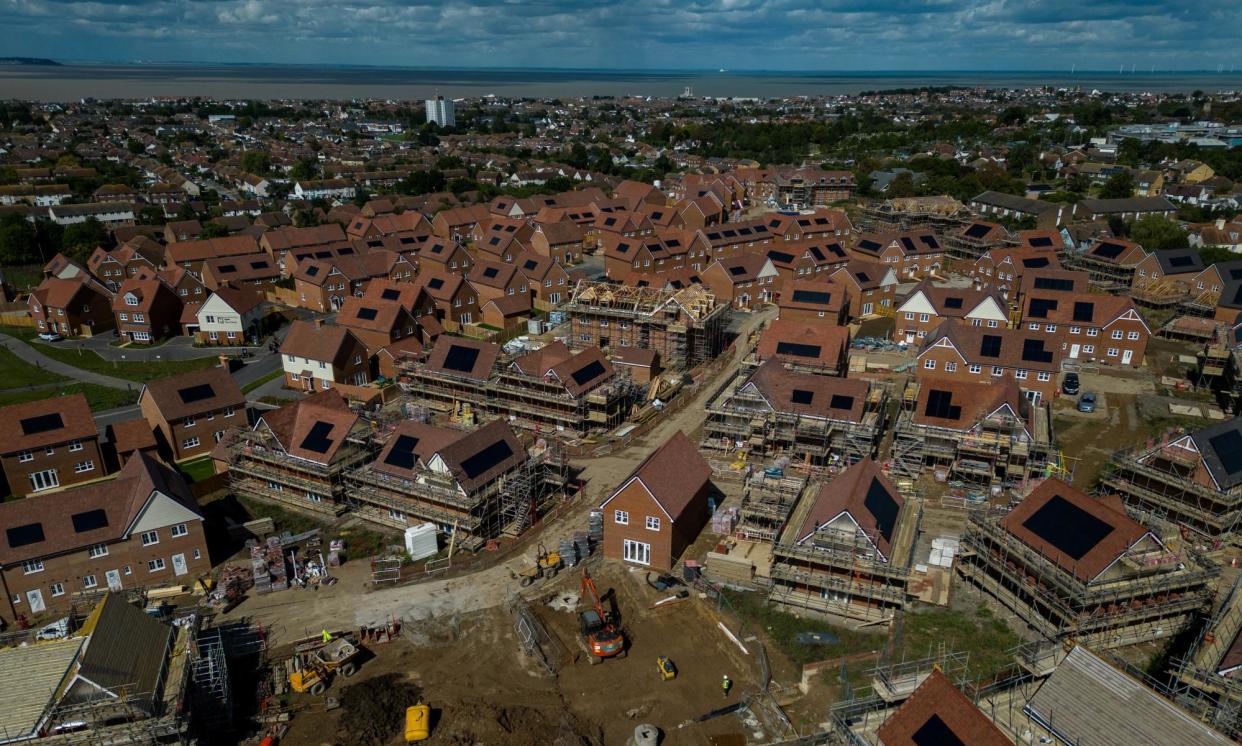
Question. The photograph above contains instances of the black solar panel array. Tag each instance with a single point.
(191, 394)
(735, 271)
(883, 507)
(21, 536)
(802, 396)
(1228, 448)
(367, 314)
(1109, 250)
(1040, 241)
(390, 294)
(461, 358)
(1054, 283)
(978, 230)
(1069, 528)
(907, 242)
(935, 732)
(1035, 262)
(780, 256)
(990, 346)
(1084, 310)
(798, 350)
(953, 302)
(435, 283)
(940, 404)
(401, 455)
(490, 272)
(1183, 260)
(1033, 351)
(841, 401)
(89, 520)
(41, 423)
(588, 372)
(811, 296)
(317, 439)
(486, 458)
(1039, 307)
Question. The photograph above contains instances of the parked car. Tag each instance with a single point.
(50, 336)
(1070, 384)
(1086, 402)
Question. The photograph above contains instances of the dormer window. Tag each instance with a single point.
(130, 299)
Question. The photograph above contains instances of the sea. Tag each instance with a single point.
(70, 82)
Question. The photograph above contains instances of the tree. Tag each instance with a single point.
(1155, 232)
(134, 146)
(1118, 186)
(302, 170)
(256, 161)
(151, 215)
(81, 239)
(18, 242)
(902, 185)
(214, 230)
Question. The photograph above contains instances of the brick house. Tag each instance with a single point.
(316, 356)
(146, 311)
(870, 287)
(807, 258)
(508, 313)
(71, 308)
(744, 280)
(188, 288)
(1002, 269)
(229, 317)
(439, 255)
(811, 346)
(456, 302)
(909, 253)
(548, 281)
(560, 242)
(928, 305)
(1087, 327)
(813, 300)
(658, 511)
(249, 270)
(492, 280)
(190, 412)
(1168, 272)
(114, 267)
(377, 324)
(48, 444)
(190, 255)
(142, 529)
(975, 354)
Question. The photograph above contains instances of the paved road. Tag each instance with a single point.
(295, 611)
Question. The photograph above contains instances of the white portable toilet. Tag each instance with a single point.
(421, 541)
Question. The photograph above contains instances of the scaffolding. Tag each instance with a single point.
(1158, 294)
(213, 695)
(506, 505)
(995, 451)
(685, 327)
(260, 468)
(941, 214)
(766, 504)
(1104, 274)
(1159, 479)
(742, 420)
(1156, 595)
(529, 402)
(843, 574)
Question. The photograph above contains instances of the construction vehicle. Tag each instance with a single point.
(313, 671)
(601, 635)
(667, 670)
(547, 564)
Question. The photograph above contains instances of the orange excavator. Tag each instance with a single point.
(601, 635)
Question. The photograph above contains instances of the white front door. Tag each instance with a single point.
(179, 567)
(636, 551)
(1074, 352)
(35, 598)
(1127, 356)
(114, 579)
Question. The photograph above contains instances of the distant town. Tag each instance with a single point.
(907, 417)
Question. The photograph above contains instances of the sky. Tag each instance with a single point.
(823, 35)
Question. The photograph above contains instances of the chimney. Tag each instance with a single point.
(318, 323)
(1220, 224)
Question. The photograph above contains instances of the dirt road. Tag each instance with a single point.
(348, 604)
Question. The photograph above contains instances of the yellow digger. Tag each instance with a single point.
(547, 565)
(313, 671)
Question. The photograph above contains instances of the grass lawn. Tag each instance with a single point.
(98, 397)
(359, 542)
(129, 370)
(259, 382)
(198, 469)
(24, 333)
(16, 373)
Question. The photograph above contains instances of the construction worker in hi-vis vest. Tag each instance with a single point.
(726, 684)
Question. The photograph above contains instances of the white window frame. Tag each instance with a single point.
(156, 564)
(621, 517)
(653, 523)
(30, 567)
(178, 530)
(150, 538)
(97, 550)
(929, 364)
(57, 589)
(89, 582)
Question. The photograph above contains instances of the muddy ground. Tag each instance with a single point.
(484, 689)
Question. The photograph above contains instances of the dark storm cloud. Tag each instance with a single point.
(752, 34)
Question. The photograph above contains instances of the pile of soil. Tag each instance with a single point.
(471, 723)
(373, 711)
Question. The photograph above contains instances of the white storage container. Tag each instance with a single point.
(421, 541)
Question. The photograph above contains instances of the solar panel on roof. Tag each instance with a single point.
(735, 271)
(1235, 274)
(798, 350)
(729, 234)
(20, 536)
(780, 256)
(1084, 311)
(802, 396)
(326, 254)
(990, 346)
(953, 302)
(1054, 283)
(1069, 528)
(41, 423)
(815, 252)
(869, 245)
(390, 294)
(883, 507)
(812, 296)
(1039, 307)
(461, 358)
(1228, 448)
(491, 272)
(89, 520)
(1033, 351)
(312, 270)
(401, 455)
(821, 221)
(1181, 261)
(227, 268)
(930, 241)
(1040, 241)
(862, 276)
(1237, 295)
(588, 372)
(259, 265)
(435, 283)
(367, 314)
(935, 732)
(191, 394)
(908, 243)
(841, 401)
(1108, 250)
(530, 264)
(940, 404)
(978, 230)
(317, 439)
(1035, 262)
(486, 458)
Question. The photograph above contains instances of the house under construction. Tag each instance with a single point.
(942, 214)
(982, 435)
(297, 455)
(474, 486)
(1208, 676)
(551, 388)
(846, 549)
(817, 420)
(1110, 264)
(1075, 566)
(1192, 480)
(685, 327)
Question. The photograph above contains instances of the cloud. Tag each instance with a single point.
(684, 34)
